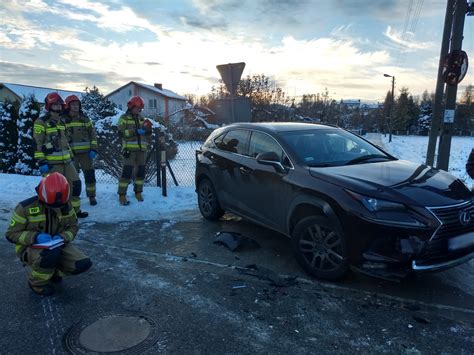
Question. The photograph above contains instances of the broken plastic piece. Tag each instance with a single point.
(233, 240)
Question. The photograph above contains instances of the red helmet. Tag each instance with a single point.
(136, 101)
(52, 98)
(71, 98)
(53, 190)
(148, 124)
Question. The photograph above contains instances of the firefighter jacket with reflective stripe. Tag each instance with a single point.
(131, 140)
(32, 217)
(81, 133)
(51, 140)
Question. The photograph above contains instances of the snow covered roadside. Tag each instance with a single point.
(15, 188)
(414, 148)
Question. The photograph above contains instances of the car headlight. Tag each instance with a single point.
(388, 212)
(375, 204)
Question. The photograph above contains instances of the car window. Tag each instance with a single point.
(234, 141)
(263, 143)
(331, 147)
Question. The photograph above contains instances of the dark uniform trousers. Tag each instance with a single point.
(44, 263)
(134, 161)
(83, 162)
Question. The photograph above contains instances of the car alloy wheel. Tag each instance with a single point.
(207, 200)
(320, 248)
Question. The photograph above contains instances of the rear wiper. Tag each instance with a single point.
(367, 157)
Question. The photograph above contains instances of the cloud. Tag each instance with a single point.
(47, 77)
(407, 42)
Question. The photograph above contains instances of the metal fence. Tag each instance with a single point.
(182, 166)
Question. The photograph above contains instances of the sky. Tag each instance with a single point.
(305, 46)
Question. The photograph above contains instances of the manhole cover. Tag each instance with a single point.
(129, 334)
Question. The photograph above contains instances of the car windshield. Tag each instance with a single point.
(331, 147)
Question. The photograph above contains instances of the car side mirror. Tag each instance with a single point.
(272, 159)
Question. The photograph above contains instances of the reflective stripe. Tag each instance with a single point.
(24, 236)
(129, 132)
(42, 275)
(70, 214)
(94, 142)
(38, 128)
(60, 156)
(90, 188)
(68, 235)
(39, 155)
(76, 203)
(81, 147)
(123, 184)
(75, 124)
(36, 219)
(138, 182)
(18, 218)
(18, 247)
(131, 146)
(55, 129)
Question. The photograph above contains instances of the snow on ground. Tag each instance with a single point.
(15, 188)
(414, 148)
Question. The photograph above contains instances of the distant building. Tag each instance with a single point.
(16, 92)
(351, 104)
(158, 101)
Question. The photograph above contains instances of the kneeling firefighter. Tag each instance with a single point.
(43, 218)
(135, 136)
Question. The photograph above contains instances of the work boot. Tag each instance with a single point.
(81, 214)
(56, 279)
(92, 201)
(123, 200)
(139, 196)
(43, 290)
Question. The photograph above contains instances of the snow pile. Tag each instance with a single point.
(15, 188)
(414, 148)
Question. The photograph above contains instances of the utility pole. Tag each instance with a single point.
(392, 105)
(438, 102)
(390, 120)
(460, 10)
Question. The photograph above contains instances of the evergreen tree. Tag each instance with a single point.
(28, 113)
(8, 136)
(96, 106)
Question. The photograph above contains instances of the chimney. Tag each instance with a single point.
(158, 86)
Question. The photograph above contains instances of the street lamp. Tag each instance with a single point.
(391, 107)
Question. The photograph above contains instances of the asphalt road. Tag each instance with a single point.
(171, 272)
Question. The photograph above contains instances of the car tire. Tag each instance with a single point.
(207, 200)
(320, 248)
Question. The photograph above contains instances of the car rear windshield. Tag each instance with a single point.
(332, 147)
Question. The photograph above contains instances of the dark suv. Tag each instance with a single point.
(342, 200)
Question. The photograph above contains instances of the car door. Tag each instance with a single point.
(231, 150)
(265, 191)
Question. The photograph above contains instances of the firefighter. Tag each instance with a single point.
(47, 216)
(135, 135)
(52, 152)
(83, 143)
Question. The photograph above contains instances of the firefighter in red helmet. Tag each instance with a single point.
(135, 138)
(52, 152)
(83, 142)
(41, 219)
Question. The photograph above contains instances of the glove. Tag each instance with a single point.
(43, 238)
(44, 168)
(140, 131)
(92, 154)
